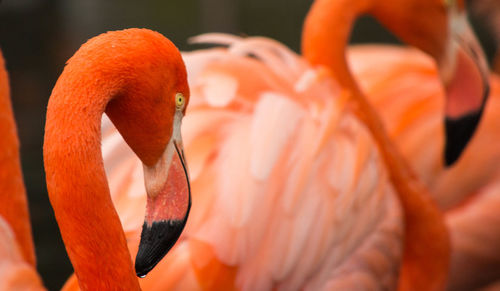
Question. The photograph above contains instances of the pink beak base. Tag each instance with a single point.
(166, 216)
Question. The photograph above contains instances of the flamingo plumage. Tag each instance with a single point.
(138, 78)
(17, 254)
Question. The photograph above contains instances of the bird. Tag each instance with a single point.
(468, 192)
(137, 77)
(17, 254)
(433, 228)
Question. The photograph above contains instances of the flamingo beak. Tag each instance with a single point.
(464, 71)
(168, 204)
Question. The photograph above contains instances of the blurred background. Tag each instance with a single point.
(38, 36)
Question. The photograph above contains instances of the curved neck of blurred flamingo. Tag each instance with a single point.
(325, 37)
(14, 205)
(324, 41)
(326, 33)
(76, 181)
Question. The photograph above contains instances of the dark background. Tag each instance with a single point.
(38, 36)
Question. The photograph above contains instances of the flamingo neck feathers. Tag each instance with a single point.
(127, 75)
(77, 184)
(325, 37)
(14, 205)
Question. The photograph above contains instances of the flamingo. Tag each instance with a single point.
(17, 263)
(138, 78)
(462, 69)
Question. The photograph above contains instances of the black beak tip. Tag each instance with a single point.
(459, 131)
(156, 241)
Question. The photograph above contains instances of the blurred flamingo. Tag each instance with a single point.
(236, 175)
(469, 191)
(17, 254)
(139, 79)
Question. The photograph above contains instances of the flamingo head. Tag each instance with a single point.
(148, 114)
(441, 29)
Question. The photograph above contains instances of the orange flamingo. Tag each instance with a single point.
(423, 220)
(17, 254)
(464, 72)
(138, 78)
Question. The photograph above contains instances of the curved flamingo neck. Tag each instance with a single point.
(426, 246)
(14, 205)
(77, 184)
(326, 33)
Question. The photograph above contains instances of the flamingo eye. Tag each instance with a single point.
(179, 100)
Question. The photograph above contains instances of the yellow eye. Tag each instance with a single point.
(179, 100)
